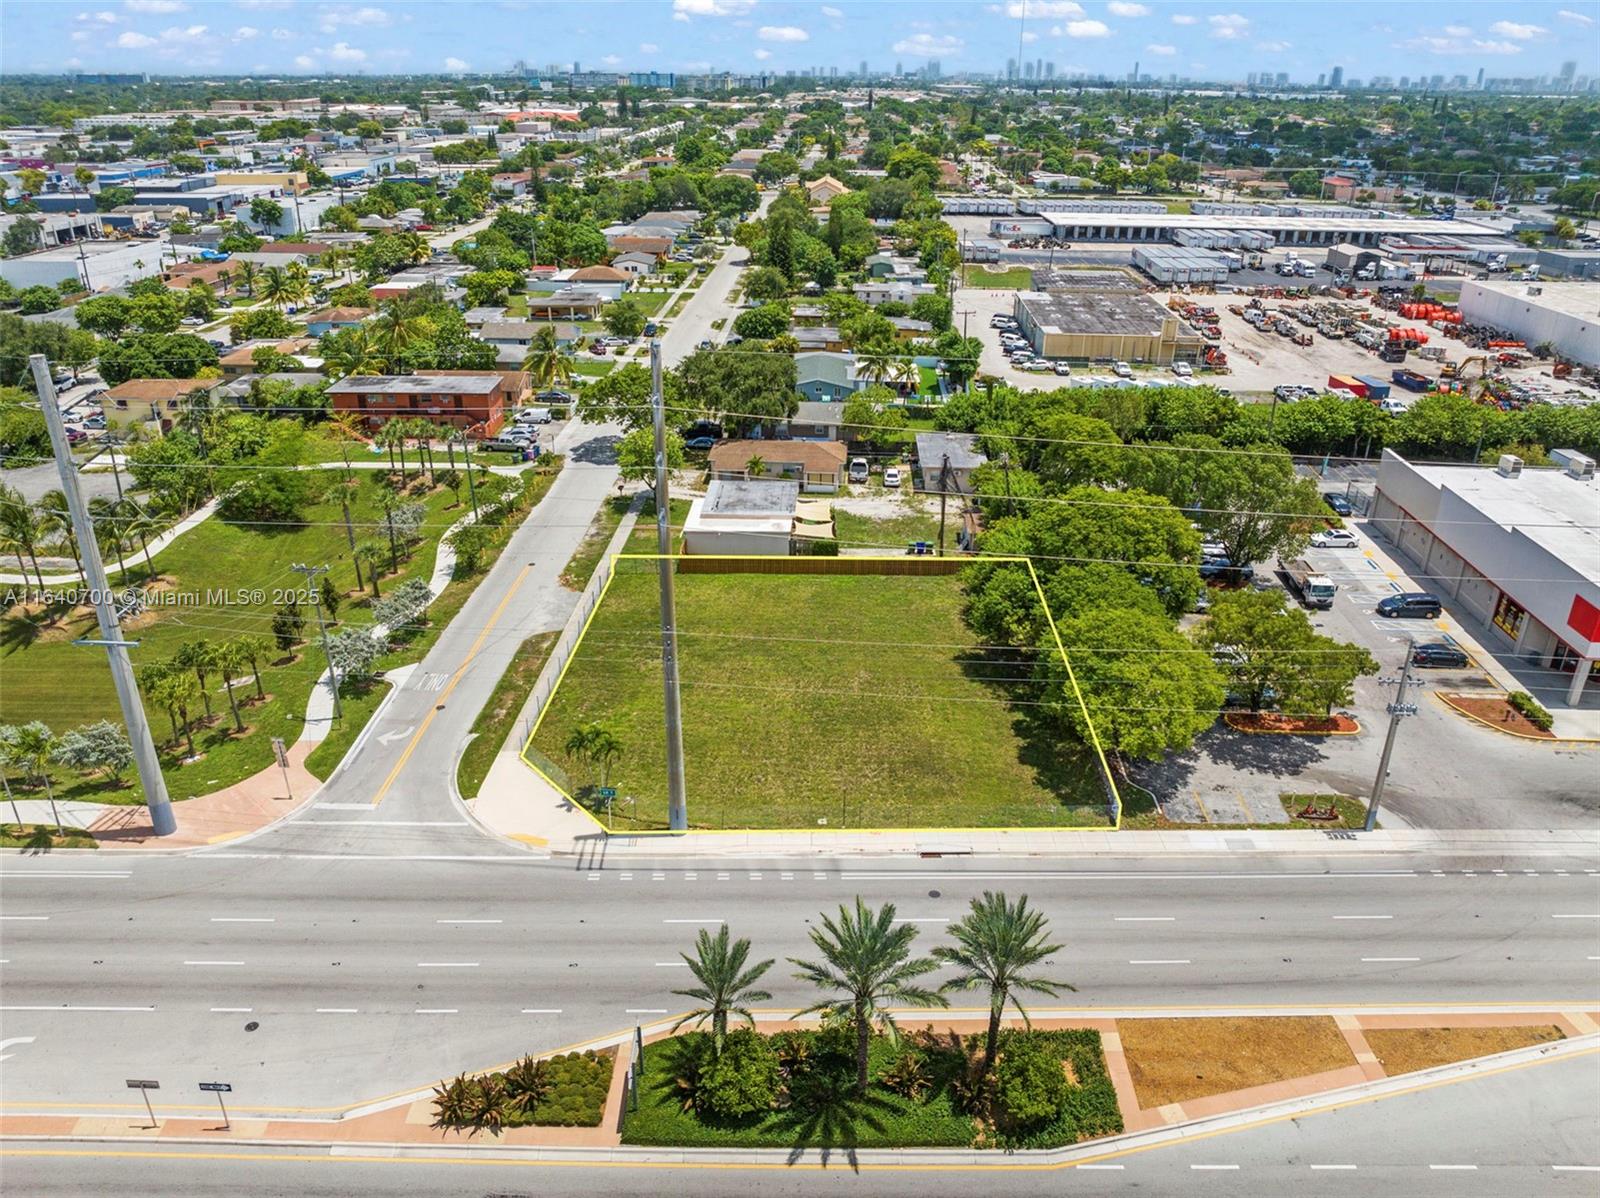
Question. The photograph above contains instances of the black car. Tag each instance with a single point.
(1338, 504)
(1440, 653)
(1413, 604)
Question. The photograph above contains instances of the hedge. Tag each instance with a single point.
(1530, 710)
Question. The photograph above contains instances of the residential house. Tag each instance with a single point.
(216, 275)
(908, 329)
(473, 400)
(821, 191)
(239, 391)
(624, 243)
(813, 421)
(739, 517)
(331, 320)
(140, 402)
(636, 263)
(305, 252)
(804, 315)
(889, 267)
(899, 291)
(573, 303)
(377, 224)
(477, 317)
(511, 183)
(815, 465)
(826, 376)
(601, 278)
(947, 461)
(240, 360)
(824, 337)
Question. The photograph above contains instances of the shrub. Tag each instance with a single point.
(743, 1080)
(1030, 1085)
(907, 1077)
(1530, 710)
(818, 547)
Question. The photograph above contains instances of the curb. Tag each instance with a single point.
(1228, 720)
(1540, 740)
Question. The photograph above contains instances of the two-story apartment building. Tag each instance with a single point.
(475, 400)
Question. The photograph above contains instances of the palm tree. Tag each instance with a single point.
(177, 690)
(253, 649)
(726, 986)
(876, 364)
(20, 529)
(200, 657)
(275, 286)
(351, 351)
(58, 518)
(299, 282)
(996, 943)
(595, 744)
(247, 275)
(107, 524)
(135, 521)
(868, 960)
(32, 744)
(906, 373)
(756, 466)
(230, 659)
(394, 330)
(547, 365)
(416, 247)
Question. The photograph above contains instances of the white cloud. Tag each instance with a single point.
(1229, 26)
(281, 35)
(682, 10)
(763, 55)
(1088, 29)
(783, 33)
(1161, 50)
(106, 18)
(1044, 8)
(649, 48)
(1516, 31)
(344, 52)
(1577, 18)
(189, 33)
(455, 64)
(1029, 35)
(305, 62)
(1456, 45)
(1274, 47)
(611, 60)
(926, 45)
(829, 11)
(1119, 8)
(246, 32)
(1184, 18)
(1458, 30)
(367, 16)
(80, 35)
(161, 6)
(134, 41)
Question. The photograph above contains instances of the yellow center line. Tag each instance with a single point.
(411, 747)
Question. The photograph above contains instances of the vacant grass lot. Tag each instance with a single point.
(890, 534)
(810, 700)
(1174, 1060)
(1017, 278)
(1408, 1049)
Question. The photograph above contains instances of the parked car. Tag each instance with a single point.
(858, 470)
(1338, 504)
(649, 328)
(1182, 369)
(1411, 605)
(76, 436)
(1062, 369)
(554, 395)
(62, 378)
(1220, 569)
(1334, 538)
(533, 416)
(891, 477)
(1122, 370)
(699, 442)
(704, 345)
(95, 420)
(598, 348)
(1440, 653)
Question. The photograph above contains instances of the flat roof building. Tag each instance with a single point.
(742, 516)
(1090, 322)
(1518, 549)
(1566, 314)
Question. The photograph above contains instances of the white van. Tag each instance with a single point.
(858, 470)
(533, 416)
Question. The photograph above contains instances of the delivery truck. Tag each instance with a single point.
(1314, 589)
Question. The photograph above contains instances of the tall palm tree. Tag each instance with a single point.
(58, 518)
(351, 351)
(299, 282)
(136, 522)
(726, 985)
(107, 524)
(200, 657)
(868, 961)
(247, 274)
(231, 660)
(394, 330)
(997, 942)
(416, 247)
(177, 690)
(545, 363)
(21, 529)
(275, 286)
(32, 745)
(253, 649)
(876, 364)
(905, 373)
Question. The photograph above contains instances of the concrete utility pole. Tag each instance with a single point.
(677, 802)
(162, 819)
(944, 491)
(311, 573)
(1398, 710)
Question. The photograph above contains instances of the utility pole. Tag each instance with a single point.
(311, 573)
(162, 820)
(677, 802)
(944, 490)
(1398, 710)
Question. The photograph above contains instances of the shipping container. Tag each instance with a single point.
(1347, 382)
(1376, 388)
(1410, 380)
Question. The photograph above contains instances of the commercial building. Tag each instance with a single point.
(474, 400)
(1514, 547)
(1296, 230)
(736, 517)
(1090, 323)
(1566, 314)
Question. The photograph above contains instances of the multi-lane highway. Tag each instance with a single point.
(312, 982)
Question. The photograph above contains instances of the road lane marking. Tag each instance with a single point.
(231, 1010)
(444, 695)
(243, 919)
(447, 965)
(1576, 1168)
(672, 965)
(644, 1010)
(541, 1010)
(1144, 919)
(77, 1007)
(1379, 960)
(1575, 917)
(1159, 961)
(1363, 917)
(5, 1044)
(693, 921)
(1060, 876)
(18, 876)
(26, 918)
(469, 921)
(382, 823)
(213, 962)
(336, 1010)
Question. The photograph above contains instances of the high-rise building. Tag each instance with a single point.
(1038, 68)
(1049, 70)
(1569, 71)
(935, 69)
(1436, 82)
(899, 68)
(833, 72)
(1480, 78)
(1336, 77)
(1251, 79)
(863, 71)
(1322, 80)
(1027, 70)
(1283, 78)
(1011, 68)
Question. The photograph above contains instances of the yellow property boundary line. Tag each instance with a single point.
(1538, 740)
(1094, 736)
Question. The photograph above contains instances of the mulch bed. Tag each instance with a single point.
(1492, 709)
(1271, 721)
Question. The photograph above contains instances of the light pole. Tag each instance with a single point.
(1398, 710)
(677, 801)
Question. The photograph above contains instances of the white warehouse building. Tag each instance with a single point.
(1518, 549)
(1565, 314)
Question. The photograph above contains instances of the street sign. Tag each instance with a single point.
(140, 1085)
(608, 792)
(216, 1087)
(277, 748)
(144, 1088)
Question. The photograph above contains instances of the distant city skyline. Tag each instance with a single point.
(1270, 45)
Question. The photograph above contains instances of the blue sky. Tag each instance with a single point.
(1214, 41)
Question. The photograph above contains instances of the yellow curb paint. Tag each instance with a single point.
(1094, 737)
(445, 694)
(529, 838)
(1542, 740)
(222, 836)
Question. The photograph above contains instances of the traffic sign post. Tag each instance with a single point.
(283, 764)
(144, 1088)
(607, 793)
(219, 1089)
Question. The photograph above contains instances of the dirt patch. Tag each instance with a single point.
(1175, 1060)
(1496, 712)
(1408, 1049)
(1271, 722)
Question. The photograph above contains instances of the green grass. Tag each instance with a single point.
(43, 837)
(1179, 207)
(812, 700)
(1017, 278)
(592, 369)
(930, 380)
(678, 305)
(890, 535)
(584, 562)
(494, 722)
(357, 703)
(825, 1110)
(649, 302)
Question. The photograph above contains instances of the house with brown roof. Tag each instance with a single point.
(600, 274)
(240, 360)
(822, 190)
(331, 320)
(624, 243)
(815, 465)
(216, 275)
(304, 249)
(471, 400)
(139, 402)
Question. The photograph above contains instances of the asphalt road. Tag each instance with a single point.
(1527, 1132)
(365, 976)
